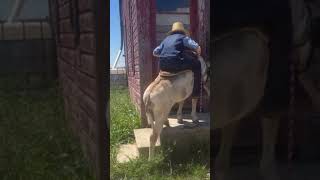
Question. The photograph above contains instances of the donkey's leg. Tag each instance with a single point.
(166, 122)
(179, 112)
(222, 163)
(311, 89)
(156, 131)
(207, 90)
(270, 128)
(194, 110)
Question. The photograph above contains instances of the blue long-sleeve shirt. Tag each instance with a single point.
(187, 42)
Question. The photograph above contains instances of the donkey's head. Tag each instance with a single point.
(205, 72)
(301, 30)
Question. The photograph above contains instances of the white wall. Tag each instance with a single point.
(165, 21)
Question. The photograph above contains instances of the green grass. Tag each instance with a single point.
(124, 119)
(35, 142)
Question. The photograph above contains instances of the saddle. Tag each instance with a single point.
(230, 32)
(166, 74)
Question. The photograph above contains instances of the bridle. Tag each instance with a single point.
(292, 81)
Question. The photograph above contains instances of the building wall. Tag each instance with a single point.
(165, 20)
(203, 36)
(132, 50)
(139, 31)
(77, 70)
(142, 30)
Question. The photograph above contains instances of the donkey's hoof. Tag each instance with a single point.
(180, 121)
(194, 117)
(167, 123)
(195, 121)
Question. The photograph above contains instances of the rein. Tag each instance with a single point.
(292, 83)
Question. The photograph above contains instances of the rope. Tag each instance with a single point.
(201, 96)
(291, 113)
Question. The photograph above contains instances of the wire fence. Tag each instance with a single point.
(28, 49)
(118, 77)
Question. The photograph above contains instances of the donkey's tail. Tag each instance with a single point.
(146, 100)
(149, 113)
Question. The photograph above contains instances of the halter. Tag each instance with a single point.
(201, 87)
(292, 82)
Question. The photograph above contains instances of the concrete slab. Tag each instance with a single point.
(182, 139)
(127, 152)
(204, 121)
(187, 140)
(142, 137)
(299, 171)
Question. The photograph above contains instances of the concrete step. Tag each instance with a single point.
(142, 137)
(182, 139)
(127, 152)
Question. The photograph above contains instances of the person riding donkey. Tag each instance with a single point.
(176, 53)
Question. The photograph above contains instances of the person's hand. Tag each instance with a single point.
(155, 55)
(199, 51)
(300, 59)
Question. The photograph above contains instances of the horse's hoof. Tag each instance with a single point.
(180, 121)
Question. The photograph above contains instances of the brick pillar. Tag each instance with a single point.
(75, 28)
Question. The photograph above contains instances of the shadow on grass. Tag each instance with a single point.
(162, 166)
(35, 141)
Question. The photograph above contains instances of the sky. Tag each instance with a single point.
(115, 36)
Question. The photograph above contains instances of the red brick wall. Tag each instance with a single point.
(203, 35)
(139, 34)
(204, 26)
(200, 31)
(131, 49)
(77, 70)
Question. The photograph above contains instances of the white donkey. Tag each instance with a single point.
(163, 93)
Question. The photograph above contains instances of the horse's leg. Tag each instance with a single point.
(194, 110)
(179, 112)
(222, 163)
(270, 128)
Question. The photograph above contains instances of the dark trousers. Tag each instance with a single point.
(175, 65)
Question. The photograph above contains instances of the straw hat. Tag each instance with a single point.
(178, 27)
